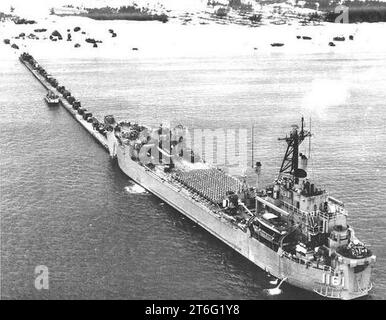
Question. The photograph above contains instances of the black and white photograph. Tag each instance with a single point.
(193, 150)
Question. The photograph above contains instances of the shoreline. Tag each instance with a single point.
(135, 39)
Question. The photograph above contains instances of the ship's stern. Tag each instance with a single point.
(357, 275)
(348, 278)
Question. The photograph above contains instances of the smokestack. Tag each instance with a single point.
(303, 162)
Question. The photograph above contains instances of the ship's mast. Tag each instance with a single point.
(290, 162)
(309, 142)
(253, 144)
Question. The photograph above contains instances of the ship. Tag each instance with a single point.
(52, 99)
(292, 229)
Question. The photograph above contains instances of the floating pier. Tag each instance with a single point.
(36, 70)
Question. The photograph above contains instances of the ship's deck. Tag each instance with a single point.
(212, 184)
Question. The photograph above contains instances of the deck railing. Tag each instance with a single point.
(306, 262)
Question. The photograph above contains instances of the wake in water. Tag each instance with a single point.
(275, 291)
(135, 189)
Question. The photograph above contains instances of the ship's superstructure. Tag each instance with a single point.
(292, 229)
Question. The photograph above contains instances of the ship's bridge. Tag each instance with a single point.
(303, 195)
(308, 205)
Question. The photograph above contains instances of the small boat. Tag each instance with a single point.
(339, 38)
(52, 99)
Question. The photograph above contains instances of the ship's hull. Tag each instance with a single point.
(275, 263)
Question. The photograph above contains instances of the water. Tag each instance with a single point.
(66, 205)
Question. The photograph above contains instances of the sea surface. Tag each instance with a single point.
(67, 206)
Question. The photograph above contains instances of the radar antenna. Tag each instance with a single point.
(290, 163)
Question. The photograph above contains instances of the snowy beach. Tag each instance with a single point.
(153, 39)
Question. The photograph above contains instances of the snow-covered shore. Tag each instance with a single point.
(155, 39)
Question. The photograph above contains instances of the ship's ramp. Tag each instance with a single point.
(212, 183)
